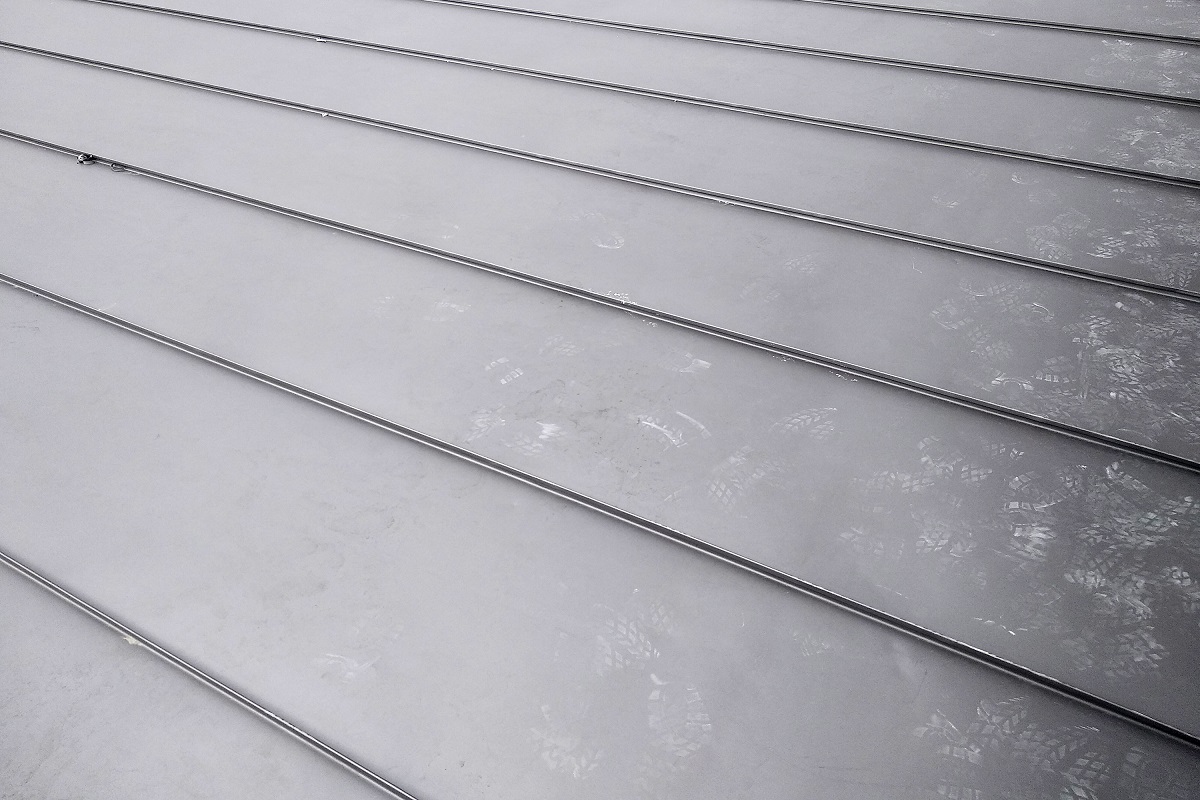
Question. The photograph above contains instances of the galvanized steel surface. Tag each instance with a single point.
(461, 634)
(90, 713)
(942, 366)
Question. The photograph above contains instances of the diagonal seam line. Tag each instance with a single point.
(1069, 27)
(815, 52)
(656, 94)
(226, 690)
(926, 240)
(838, 366)
(792, 48)
(697, 545)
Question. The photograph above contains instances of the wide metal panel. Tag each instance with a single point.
(1058, 347)
(1113, 131)
(1098, 60)
(466, 635)
(85, 714)
(574, 545)
(1074, 560)
(1097, 222)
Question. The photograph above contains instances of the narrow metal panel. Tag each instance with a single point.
(1183, 30)
(1167, 17)
(1015, 540)
(351, 172)
(85, 714)
(1104, 130)
(1168, 68)
(462, 634)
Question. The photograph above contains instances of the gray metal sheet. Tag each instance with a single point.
(350, 172)
(1169, 17)
(468, 636)
(1130, 63)
(1071, 559)
(1053, 346)
(1153, 18)
(84, 714)
(1110, 131)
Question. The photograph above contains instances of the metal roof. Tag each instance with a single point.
(658, 399)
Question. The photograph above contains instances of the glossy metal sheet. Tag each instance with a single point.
(1109, 131)
(85, 714)
(1074, 560)
(464, 634)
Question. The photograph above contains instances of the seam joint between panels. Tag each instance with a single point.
(994, 150)
(640, 180)
(1001, 19)
(729, 557)
(875, 376)
(211, 682)
(800, 50)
